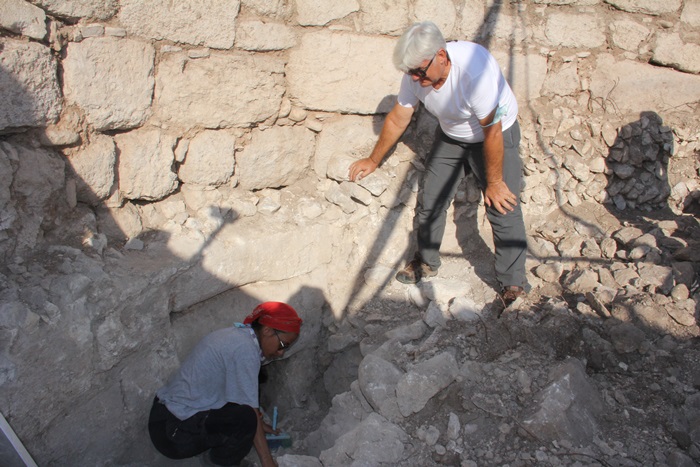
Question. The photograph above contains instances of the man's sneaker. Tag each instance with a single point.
(510, 293)
(414, 272)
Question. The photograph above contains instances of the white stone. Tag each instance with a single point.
(211, 23)
(386, 17)
(30, 82)
(426, 379)
(628, 34)
(652, 7)
(23, 18)
(210, 158)
(473, 17)
(691, 14)
(579, 30)
(275, 157)
(562, 82)
(281, 9)
(620, 81)
(320, 12)
(525, 73)
(252, 240)
(145, 164)
(464, 309)
(349, 136)
(247, 89)
(94, 169)
(347, 59)
(356, 192)
(670, 50)
(441, 12)
(261, 36)
(111, 79)
(375, 441)
(97, 9)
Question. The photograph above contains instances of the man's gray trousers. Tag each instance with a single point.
(449, 161)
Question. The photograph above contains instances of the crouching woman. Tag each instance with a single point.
(211, 403)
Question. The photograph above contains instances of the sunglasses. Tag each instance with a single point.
(420, 72)
(282, 345)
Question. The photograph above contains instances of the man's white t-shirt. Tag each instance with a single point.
(474, 87)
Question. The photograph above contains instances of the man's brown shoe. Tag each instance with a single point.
(510, 293)
(414, 272)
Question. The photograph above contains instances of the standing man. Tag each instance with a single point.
(212, 401)
(461, 84)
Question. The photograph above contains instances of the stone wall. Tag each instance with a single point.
(166, 165)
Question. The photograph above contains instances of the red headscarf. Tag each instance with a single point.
(276, 315)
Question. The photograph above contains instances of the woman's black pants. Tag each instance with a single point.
(228, 432)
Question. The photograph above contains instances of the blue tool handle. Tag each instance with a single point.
(274, 418)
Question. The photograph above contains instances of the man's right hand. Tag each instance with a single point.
(360, 169)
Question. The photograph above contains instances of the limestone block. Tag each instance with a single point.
(319, 12)
(691, 14)
(356, 192)
(23, 18)
(348, 59)
(670, 50)
(94, 169)
(253, 249)
(345, 135)
(280, 9)
(210, 159)
(651, 7)
(444, 290)
(340, 198)
(580, 30)
(569, 408)
(436, 315)
(375, 441)
(562, 82)
(276, 157)
(260, 36)
(145, 164)
(581, 281)
(218, 91)
(38, 186)
(28, 80)
(620, 82)
(524, 73)
(628, 34)
(211, 23)
(97, 9)
(386, 17)
(509, 28)
(425, 380)
(345, 413)
(111, 79)
(377, 380)
(473, 17)
(120, 224)
(441, 12)
(578, 166)
(465, 309)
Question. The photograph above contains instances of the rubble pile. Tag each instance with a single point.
(598, 368)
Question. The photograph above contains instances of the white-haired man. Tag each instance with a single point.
(461, 84)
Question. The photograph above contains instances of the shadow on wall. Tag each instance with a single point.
(96, 320)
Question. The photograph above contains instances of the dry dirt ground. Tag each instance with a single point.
(643, 380)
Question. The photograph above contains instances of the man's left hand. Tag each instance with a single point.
(498, 196)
